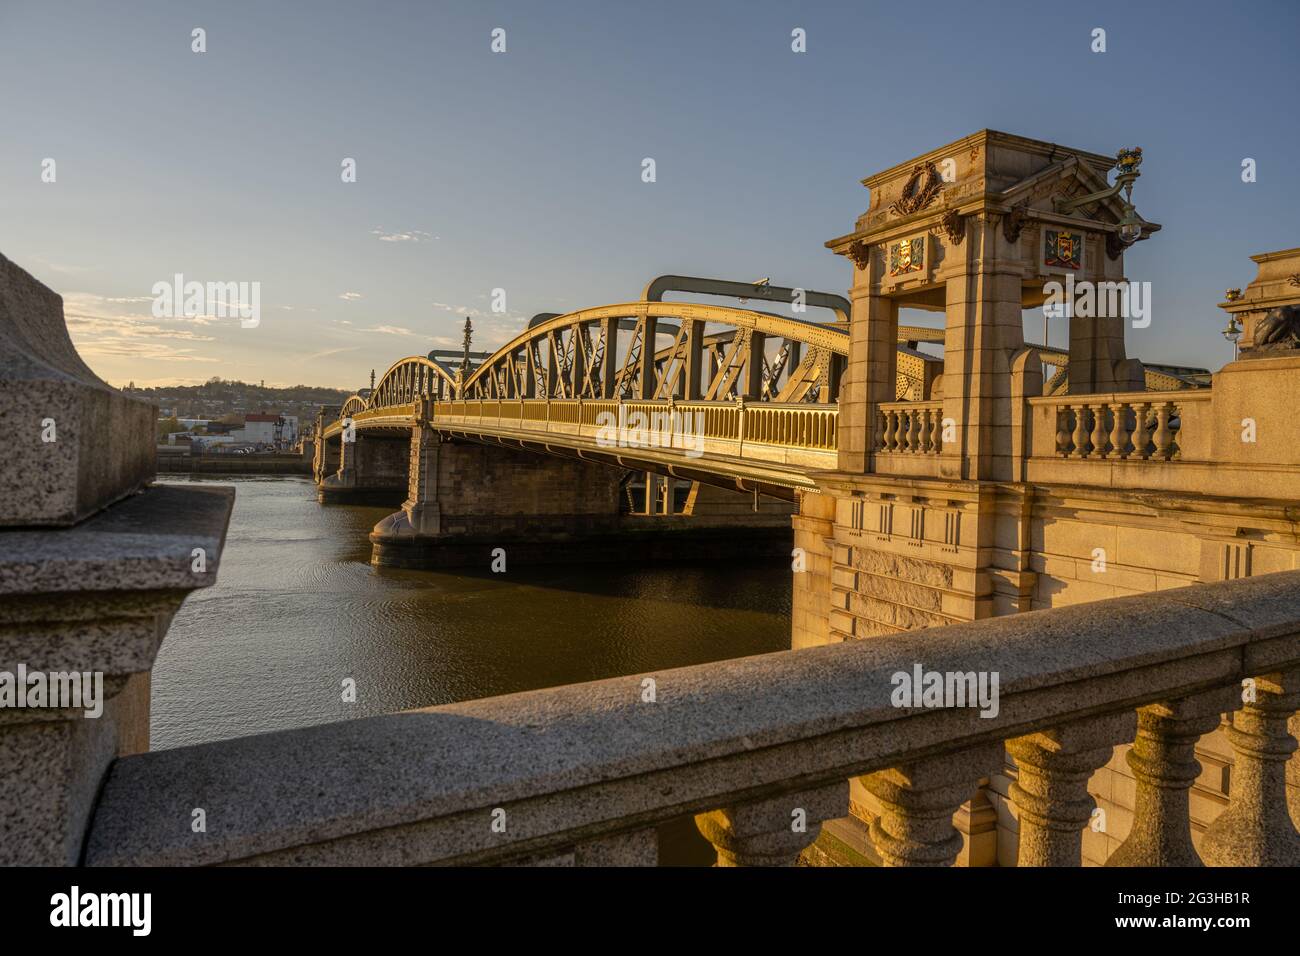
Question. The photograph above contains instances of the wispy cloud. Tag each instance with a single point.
(102, 326)
(388, 330)
(325, 353)
(412, 235)
(350, 296)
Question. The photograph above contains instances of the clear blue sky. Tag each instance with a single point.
(522, 170)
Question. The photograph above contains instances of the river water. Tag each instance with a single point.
(297, 609)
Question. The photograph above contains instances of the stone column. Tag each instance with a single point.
(1256, 829)
(1098, 361)
(918, 801)
(869, 375)
(1165, 767)
(1051, 789)
(985, 328)
(772, 832)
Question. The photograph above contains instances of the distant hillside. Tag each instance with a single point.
(218, 398)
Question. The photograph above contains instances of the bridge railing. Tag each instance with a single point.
(762, 749)
(1236, 441)
(1131, 426)
(914, 428)
(795, 433)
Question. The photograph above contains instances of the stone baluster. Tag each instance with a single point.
(1164, 764)
(1051, 789)
(1063, 430)
(1256, 829)
(1142, 430)
(936, 433)
(1119, 430)
(1099, 432)
(895, 429)
(1080, 431)
(1164, 436)
(1176, 432)
(772, 832)
(914, 430)
(918, 801)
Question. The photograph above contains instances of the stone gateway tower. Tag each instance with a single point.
(996, 490)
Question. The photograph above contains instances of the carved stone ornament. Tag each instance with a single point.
(920, 191)
(1014, 222)
(1278, 330)
(860, 253)
(953, 225)
(1294, 279)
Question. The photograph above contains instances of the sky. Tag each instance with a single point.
(522, 170)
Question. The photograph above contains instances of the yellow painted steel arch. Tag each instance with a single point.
(406, 379)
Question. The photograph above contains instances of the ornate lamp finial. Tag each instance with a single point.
(469, 335)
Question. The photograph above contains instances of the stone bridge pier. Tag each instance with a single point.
(465, 500)
(372, 468)
(325, 451)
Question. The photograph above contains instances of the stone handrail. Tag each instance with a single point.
(583, 774)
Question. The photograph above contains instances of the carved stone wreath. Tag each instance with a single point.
(917, 195)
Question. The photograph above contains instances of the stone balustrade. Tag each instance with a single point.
(914, 428)
(1138, 426)
(761, 751)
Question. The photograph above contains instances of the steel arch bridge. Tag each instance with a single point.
(730, 396)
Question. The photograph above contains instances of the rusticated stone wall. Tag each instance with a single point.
(814, 530)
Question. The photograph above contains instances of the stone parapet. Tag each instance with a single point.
(759, 739)
(64, 428)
